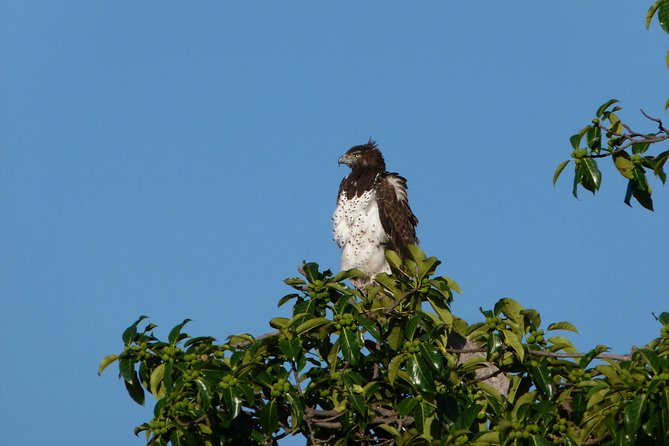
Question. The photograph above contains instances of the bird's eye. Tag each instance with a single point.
(358, 155)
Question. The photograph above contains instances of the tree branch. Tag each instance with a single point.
(548, 354)
(632, 137)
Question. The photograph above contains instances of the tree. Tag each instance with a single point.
(392, 365)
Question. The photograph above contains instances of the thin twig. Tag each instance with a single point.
(658, 121)
(484, 377)
(579, 355)
(399, 300)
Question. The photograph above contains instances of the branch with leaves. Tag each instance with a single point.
(609, 137)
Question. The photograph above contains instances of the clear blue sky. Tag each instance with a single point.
(179, 159)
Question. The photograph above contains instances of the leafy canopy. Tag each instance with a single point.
(389, 366)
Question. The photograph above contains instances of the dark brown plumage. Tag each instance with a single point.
(368, 197)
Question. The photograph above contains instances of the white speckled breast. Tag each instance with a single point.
(359, 233)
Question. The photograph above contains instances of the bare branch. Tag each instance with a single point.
(658, 121)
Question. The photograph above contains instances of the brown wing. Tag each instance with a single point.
(396, 217)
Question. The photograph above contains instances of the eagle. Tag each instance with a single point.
(373, 212)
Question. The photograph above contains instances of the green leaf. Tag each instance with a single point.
(394, 367)
(632, 416)
(343, 275)
(241, 339)
(420, 374)
(106, 361)
(156, 380)
(175, 438)
(651, 359)
(640, 148)
(135, 390)
(604, 106)
(286, 298)
(358, 403)
(559, 170)
(487, 439)
(594, 138)
(412, 325)
(296, 410)
(493, 345)
(167, 377)
(126, 369)
(292, 348)
(427, 267)
(624, 164)
(513, 341)
(578, 176)
(536, 440)
(658, 170)
(390, 429)
(269, 417)
(310, 271)
(663, 317)
(406, 406)
(175, 334)
(631, 185)
(543, 380)
(575, 140)
(663, 15)
(199, 340)
(279, 323)
(416, 253)
(651, 12)
(311, 324)
(511, 309)
(452, 284)
(562, 326)
(369, 325)
(421, 415)
(442, 310)
(615, 124)
(431, 356)
(333, 357)
(396, 337)
(592, 177)
(394, 260)
(350, 345)
(233, 401)
(204, 392)
(131, 331)
(639, 189)
(294, 281)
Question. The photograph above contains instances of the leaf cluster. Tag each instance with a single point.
(384, 366)
(608, 136)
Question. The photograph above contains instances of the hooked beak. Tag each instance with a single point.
(345, 159)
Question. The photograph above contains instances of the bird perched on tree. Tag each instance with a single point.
(372, 213)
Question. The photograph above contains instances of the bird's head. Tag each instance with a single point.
(365, 156)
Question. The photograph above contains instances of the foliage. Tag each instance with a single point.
(609, 136)
(378, 367)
